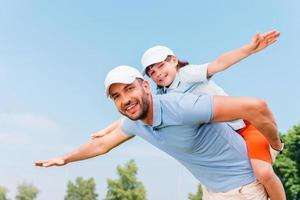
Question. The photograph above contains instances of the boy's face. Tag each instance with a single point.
(131, 100)
(164, 73)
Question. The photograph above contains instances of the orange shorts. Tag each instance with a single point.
(257, 145)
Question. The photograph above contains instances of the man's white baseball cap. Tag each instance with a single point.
(121, 74)
(154, 55)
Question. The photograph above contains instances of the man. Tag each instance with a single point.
(180, 125)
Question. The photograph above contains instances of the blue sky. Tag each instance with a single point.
(54, 56)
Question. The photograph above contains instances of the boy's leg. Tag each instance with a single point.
(261, 161)
(266, 175)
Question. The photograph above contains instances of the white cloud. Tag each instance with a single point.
(27, 121)
(24, 128)
(25, 137)
(13, 138)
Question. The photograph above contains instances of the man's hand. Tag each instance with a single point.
(112, 127)
(98, 134)
(93, 148)
(51, 162)
(274, 152)
(261, 41)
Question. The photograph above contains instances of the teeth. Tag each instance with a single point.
(129, 107)
(163, 78)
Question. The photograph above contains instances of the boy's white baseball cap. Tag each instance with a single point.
(121, 74)
(154, 55)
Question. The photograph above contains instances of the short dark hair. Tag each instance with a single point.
(181, 63)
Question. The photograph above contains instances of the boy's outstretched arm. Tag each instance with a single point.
(258, 43)
(254, 110)
(95, 147)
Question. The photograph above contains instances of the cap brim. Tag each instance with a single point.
(128, 80)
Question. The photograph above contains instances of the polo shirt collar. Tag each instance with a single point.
(173, 85)
(157, 121)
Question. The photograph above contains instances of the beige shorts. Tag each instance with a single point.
(252, 191)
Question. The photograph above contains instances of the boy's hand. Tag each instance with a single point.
(261, 41)
(98, 134)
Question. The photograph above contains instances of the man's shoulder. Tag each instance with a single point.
(189, 106)
(176, 97)
(172, 98)
(177, 102)
(129, 126)
(128, 121)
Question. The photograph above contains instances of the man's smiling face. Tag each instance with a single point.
(131, 100)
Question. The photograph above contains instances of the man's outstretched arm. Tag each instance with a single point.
(254, 110)
(95, 147)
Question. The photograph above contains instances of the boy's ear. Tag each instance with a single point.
(174, 60)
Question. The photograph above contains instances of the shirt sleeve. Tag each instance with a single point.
(196, 109)
(193, 73)
(127, 126)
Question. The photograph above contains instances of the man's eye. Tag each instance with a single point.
(130, 88)
(115, 97)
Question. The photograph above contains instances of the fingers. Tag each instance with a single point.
(38, 164)
(41, 163)
(256, 38)
(271, 42)
(271, 39)
(271, 35)
(268, 38)
(97, 135)
(45, 163)
(94, 135)
(48, 164)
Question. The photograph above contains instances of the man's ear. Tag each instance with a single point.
(146, 86)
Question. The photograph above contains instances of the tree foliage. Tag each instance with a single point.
(287, 165)
(81, 190)
(26, 191)
(127, 187)
(3, 192)
(198, 195)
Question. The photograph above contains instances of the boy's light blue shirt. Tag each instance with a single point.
(193, 79)
(214, 153)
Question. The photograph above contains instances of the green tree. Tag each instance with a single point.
(198, 195)
(287, 165)
(81, 190)
(3, 192)
(26, 191)
(127, 187)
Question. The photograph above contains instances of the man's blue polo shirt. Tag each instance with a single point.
(214, 153)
